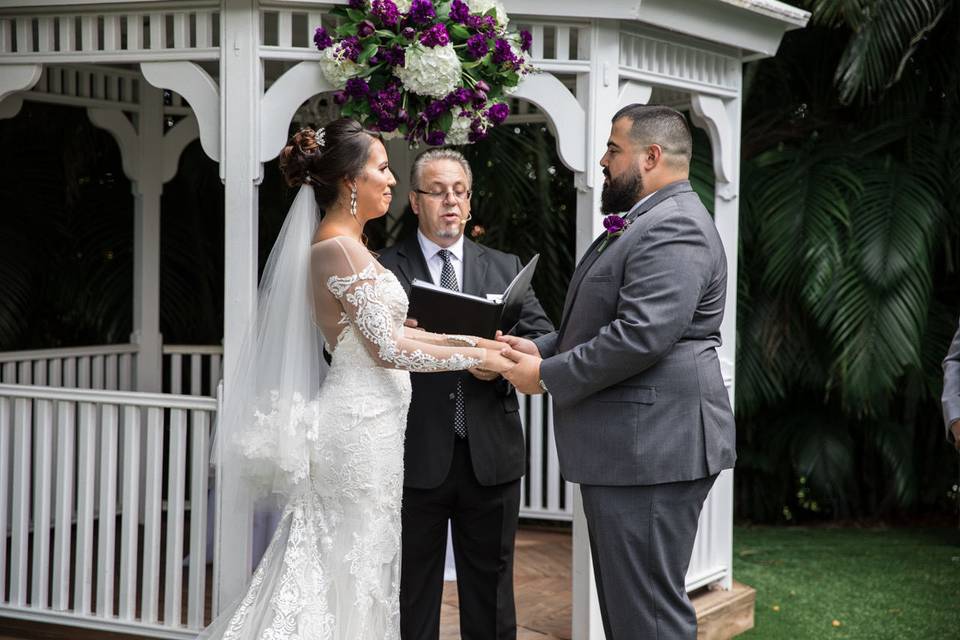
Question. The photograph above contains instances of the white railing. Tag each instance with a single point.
(171, 31)
(545, 495)
(107, 367)
(80, 469)
(665, 61)
(193, 370)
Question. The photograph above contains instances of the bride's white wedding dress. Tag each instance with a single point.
(332, 569)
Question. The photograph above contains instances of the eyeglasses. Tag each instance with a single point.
(440, 195)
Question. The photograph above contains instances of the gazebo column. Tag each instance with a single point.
(147, 190)
(600, 90)
(241, 85)
(721, 118)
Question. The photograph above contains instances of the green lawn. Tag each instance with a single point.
(876, 583)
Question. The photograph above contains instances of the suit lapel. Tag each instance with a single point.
(474, 268)
(411, 262)
(592, 254)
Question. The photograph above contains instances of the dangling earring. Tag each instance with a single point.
(353, 201)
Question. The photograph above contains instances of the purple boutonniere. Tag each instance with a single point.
(615, 226)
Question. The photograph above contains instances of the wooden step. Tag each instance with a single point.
(724, 614)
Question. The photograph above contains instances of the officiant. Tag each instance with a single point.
(464, 451)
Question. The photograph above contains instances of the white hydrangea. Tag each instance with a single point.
(433, 71)
(403, 6)
(459, 132)
(338, 68)
(480, 7)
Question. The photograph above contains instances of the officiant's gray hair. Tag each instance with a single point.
(438, 153)
(655, 124)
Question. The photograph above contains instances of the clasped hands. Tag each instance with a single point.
(516, 359)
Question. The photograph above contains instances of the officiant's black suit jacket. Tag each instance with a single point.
(491, 408)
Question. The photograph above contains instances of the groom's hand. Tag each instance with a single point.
(525, 376)
(519, 344)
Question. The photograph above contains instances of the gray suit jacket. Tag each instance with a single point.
(951, 385)
(633, 370)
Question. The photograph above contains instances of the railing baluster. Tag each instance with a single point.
(536, 452)
(9, 372)
(42, 487)
(130, 519)
(68, 35)
(83, 372)
(86, 480)
(196, 379)
(181, 30)
(176, 373)
(134, 32)
(56, 372)
(214, 373)
(536, 48)
(197, 574)
(553, 463)
(20, 509)
(126, 372)
(111, 373)
(45, 35)
(25, 375)
(24, 35)
(285, 28)
(563, 43)
(204, 29)
(158, 31)
(70, 373)
(40, 373)
(88, 33)
(111, 32)
(524, 401)
(98, 372)
(5, 472)
(6, 36)
(149, 605)
(108, 510)
(176, 484)
(66, 416)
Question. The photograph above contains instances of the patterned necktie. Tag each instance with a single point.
(448, 280)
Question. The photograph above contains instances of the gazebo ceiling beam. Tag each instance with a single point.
(564, 112)
(18, 77)
(281, 101)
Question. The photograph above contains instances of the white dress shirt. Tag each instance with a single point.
(431, 251)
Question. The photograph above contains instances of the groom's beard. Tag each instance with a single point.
(620, 194)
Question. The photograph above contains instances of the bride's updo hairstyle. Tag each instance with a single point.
(324, 157)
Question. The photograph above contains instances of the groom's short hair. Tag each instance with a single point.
(655, 124)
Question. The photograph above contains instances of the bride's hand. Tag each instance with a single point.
(494, 360)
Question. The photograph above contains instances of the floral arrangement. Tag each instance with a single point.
(432, 71)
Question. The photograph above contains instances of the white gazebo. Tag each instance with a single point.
(84, 467)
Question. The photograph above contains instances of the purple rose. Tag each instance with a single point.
(479, 99)
(435, 109)
(386, 124)
(386, 11)
(435, 36)
(482, 23)
(502, 53)
(459, 11)
(459, 97)
(614, 224)
(393, 56)
(357, 88)
(350, 47)
(365, 29)
(477, 46)
(436, 138)
(525, 40)
(409, 33)
(340, 97)
(322, 39)
(482, 86)
(403, 116)
(421, 12)
(498, 113)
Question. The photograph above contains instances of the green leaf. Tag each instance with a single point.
(445, 121)
(459, 31)
(367, 52)
(347, 30)
(356, 15)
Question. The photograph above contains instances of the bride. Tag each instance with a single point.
(331, 446)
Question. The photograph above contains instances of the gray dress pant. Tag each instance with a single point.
(641, 538)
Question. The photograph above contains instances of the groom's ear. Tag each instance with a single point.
(652, 157)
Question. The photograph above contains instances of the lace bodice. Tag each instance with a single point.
(359, 296)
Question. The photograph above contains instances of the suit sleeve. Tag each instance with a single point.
(533, 319)
(665, 273)
(951, 385)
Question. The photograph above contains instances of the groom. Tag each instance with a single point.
(464, 449)
(642, 417)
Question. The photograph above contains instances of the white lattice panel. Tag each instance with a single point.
(676, 64)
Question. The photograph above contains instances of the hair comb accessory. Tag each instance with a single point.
(320, 137)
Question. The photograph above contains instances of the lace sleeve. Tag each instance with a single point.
(363, 294)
